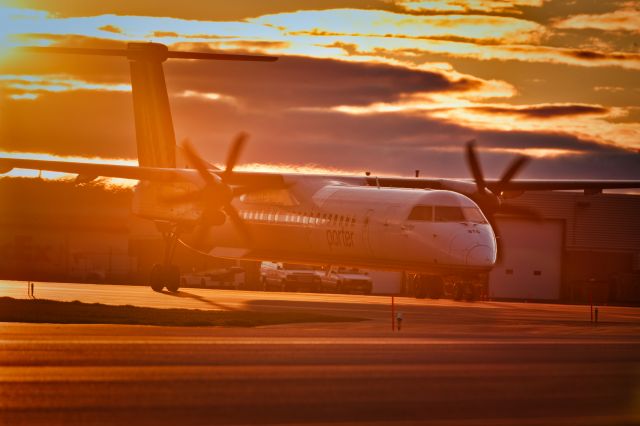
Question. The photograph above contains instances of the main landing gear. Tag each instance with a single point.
(428, 285)
(165, 274)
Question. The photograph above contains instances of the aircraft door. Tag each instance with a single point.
(366, 232)
(384, 232)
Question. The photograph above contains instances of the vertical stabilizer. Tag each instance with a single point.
(156, 139)
(155, 136)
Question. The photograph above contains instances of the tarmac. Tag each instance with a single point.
(453, 363)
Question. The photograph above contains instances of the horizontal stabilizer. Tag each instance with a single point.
(150, 51)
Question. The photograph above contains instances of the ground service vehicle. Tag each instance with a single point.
(289, 277)
(219, 278)
(347, 280)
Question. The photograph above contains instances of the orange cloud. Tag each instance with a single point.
(377, 23)
(111, 29)
(31, 86)
(397, 48)
(494, 6)
(626, 19)
(589, 122)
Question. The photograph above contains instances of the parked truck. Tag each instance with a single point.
(289, 277)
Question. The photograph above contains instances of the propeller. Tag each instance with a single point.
(217, 194)
(491, 201)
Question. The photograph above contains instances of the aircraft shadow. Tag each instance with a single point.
(185, 294)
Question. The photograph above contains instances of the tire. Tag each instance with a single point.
(172, 278)
(156, 277)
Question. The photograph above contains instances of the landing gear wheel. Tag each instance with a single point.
(165, 276)
(172, 278)
(156, 277)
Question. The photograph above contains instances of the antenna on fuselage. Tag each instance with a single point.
(155, 135)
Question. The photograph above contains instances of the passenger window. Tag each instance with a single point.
(449, 214)
(423, 213)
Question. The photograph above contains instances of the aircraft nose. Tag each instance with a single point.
(481, 255)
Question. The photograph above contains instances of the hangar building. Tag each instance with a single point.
(584, 247)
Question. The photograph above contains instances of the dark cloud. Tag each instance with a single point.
(290, 82)
(90, 124)
(307, 82)
(545, 111)
(393, 143)
(600, 56)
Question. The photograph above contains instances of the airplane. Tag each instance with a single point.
(435, 228)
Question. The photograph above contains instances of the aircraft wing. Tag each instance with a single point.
(89, 171)
(565, 185)
(468, 185)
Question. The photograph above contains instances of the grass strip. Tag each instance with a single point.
(55, 312)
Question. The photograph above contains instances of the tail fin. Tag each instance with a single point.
(155, 136)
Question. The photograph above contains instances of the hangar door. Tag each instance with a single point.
(531, 266)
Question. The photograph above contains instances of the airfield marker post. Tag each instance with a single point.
(393, 314)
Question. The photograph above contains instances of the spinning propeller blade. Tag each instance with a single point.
(491, 202)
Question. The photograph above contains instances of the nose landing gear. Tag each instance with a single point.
(428, 285)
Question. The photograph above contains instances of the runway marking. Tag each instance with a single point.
(338, 341)
(36, 374)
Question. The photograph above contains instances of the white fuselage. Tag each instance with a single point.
(333, 223)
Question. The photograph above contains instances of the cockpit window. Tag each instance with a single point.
(473, 214)
(458, 214)
(424, 213)
(449, 214)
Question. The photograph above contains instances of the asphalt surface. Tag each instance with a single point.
(453, 363)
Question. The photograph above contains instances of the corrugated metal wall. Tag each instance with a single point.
(603, 222)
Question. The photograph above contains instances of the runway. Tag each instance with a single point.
(454, 363)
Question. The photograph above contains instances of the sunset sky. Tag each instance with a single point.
(381, 85)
